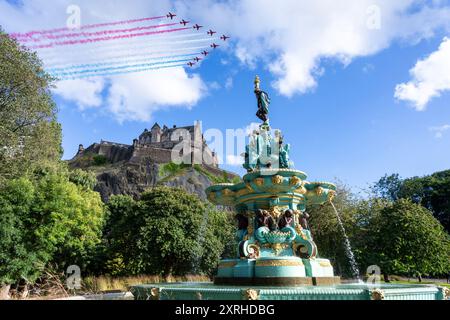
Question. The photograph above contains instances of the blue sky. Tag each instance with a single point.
(348, 125)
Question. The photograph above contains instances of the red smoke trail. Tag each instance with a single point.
(98, 33)
(94, 40)
(89, 26)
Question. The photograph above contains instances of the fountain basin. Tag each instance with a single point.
(210, 291)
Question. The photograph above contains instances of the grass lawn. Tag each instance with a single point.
(441, 284)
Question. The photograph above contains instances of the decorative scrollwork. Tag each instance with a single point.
(253, 251)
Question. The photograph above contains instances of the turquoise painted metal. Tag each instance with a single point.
(276, 257)
(209, 291)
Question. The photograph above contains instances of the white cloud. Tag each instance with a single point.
(293, 37)
(137, 96)
(134, 96)
(85, 93)
(233, 160)
(229, 83)
(430, 77)
(290, 38)
(439, 131)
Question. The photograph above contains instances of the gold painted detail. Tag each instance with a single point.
(279, 263)
(275, 212)
(294, 180)
(319, 191)
(228, 193)
(259, 181)
(325, 264)
(154, 294)
(445, 293)
(277, 179)
(227, 264)
(276, 247)
(377, 294)
(301, 190)
(331, 195)
(251, 294)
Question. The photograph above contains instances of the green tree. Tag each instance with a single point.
(328, 234)
(168, 231)
(404, 238)
(432, 192)
(29, 132)
(46, 219)
(388, 187)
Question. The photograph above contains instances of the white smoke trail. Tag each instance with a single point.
(105, 74)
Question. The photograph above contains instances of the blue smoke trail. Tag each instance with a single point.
(68, 62)
(108, 69)
(120, 72)
(123, 61)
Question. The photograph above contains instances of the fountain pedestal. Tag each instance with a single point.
(275, 245)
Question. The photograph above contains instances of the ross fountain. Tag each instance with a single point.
(276, 256)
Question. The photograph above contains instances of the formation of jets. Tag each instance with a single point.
(184, 22)
(171, 15)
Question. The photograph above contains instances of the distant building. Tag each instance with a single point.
(156, 145)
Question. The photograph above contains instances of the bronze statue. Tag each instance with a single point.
(264, 219)
(304, 216)
(287, 220)
(242, 221)
(263, 102)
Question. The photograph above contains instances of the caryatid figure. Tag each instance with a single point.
(287, 220)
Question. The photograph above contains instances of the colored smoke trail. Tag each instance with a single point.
(93, 34)
(122, 61)
(65, 58)
(131, 45)
(109, 69)
(84, 76)
(68, 62)
(95, 40)
(89, 26)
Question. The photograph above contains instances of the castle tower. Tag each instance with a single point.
(156, 133)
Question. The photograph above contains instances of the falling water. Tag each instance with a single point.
(348, 247)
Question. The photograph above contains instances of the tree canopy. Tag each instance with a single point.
(45, 219)
(432, 192)
(29, 132)
(167, 231)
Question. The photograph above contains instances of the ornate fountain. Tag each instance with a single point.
(275, 244)
(276, 257)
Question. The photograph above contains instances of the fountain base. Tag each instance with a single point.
(276, 271)
(209, 291)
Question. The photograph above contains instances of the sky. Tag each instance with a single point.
(359, 88)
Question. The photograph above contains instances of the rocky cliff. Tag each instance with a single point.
(134, 177)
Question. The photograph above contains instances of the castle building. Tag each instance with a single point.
(157, 145)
